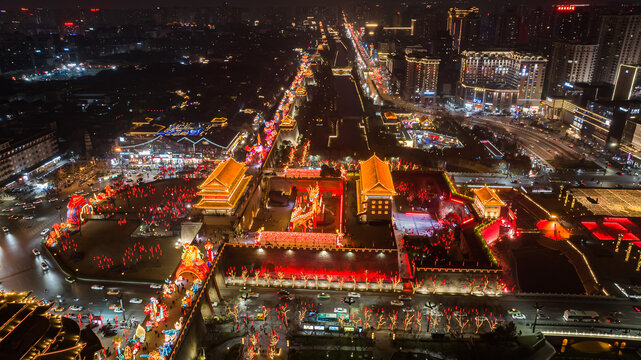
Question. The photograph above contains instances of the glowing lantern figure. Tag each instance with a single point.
(77, 208)
(157, 312)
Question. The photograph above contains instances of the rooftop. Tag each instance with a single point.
(488, 196)
(376, 177)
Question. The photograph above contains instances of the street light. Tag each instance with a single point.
(538, 311)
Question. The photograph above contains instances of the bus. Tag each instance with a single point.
(331, 317)
(580, 316)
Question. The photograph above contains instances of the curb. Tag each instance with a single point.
(67, 272)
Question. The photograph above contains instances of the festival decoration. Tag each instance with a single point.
(192, 262)
(157, 312)
(308, 210)
(77, 209)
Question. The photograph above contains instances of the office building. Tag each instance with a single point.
(569, 64)
(619, 43)
(22, 154)
(464, 27)
(628, 84)
(501, 80)
(421, 78)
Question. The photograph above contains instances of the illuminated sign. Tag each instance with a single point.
(319, 327)
(334, 328)
(565, 8)
(308, 327)
(568, 85)
(621, 108)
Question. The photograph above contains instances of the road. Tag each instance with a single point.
(538, 143)
(552, 307)
(20, 269)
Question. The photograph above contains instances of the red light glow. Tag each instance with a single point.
(565, 8)
(68, 23)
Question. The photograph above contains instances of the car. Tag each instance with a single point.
(28, 217)
(340, 310)
(613, 320)
(113, 292)
(97, 287)
(59, 309)
(109, 333)
(348, 300)
(113, 306)
(44, 232)
(5, 229)
(44, 266)
(322, 296)
(518, 316)
(409, 310)
(253, 294)
(245, 289)
(542, 316)
(155, 286)
(287, 297)
(282, 292)
(397, 302)
(135, 300)
(75, 307)
(119, 309)
(70, 279)
(513, 311)
(405, 298)
(36, 252)
(353, 294)
(481, 318)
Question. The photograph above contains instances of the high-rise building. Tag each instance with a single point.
(501, 80)
(628, 84)
(619, 43)
(570, 22)
(421, 77)
(570, 63)
(22, 154)
(507, 29)
(464, 26)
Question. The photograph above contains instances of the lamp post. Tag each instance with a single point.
(538, 311)
(430, 307)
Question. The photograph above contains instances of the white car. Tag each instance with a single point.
(155, 286)
(75, 307)
(353, 294)
(520, 316)
(340, 310)
(397, 302)
(5, 229)
(135, 300)
(97, 287)
(118, 309)
(44, 232)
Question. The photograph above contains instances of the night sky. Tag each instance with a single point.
(205, 3)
